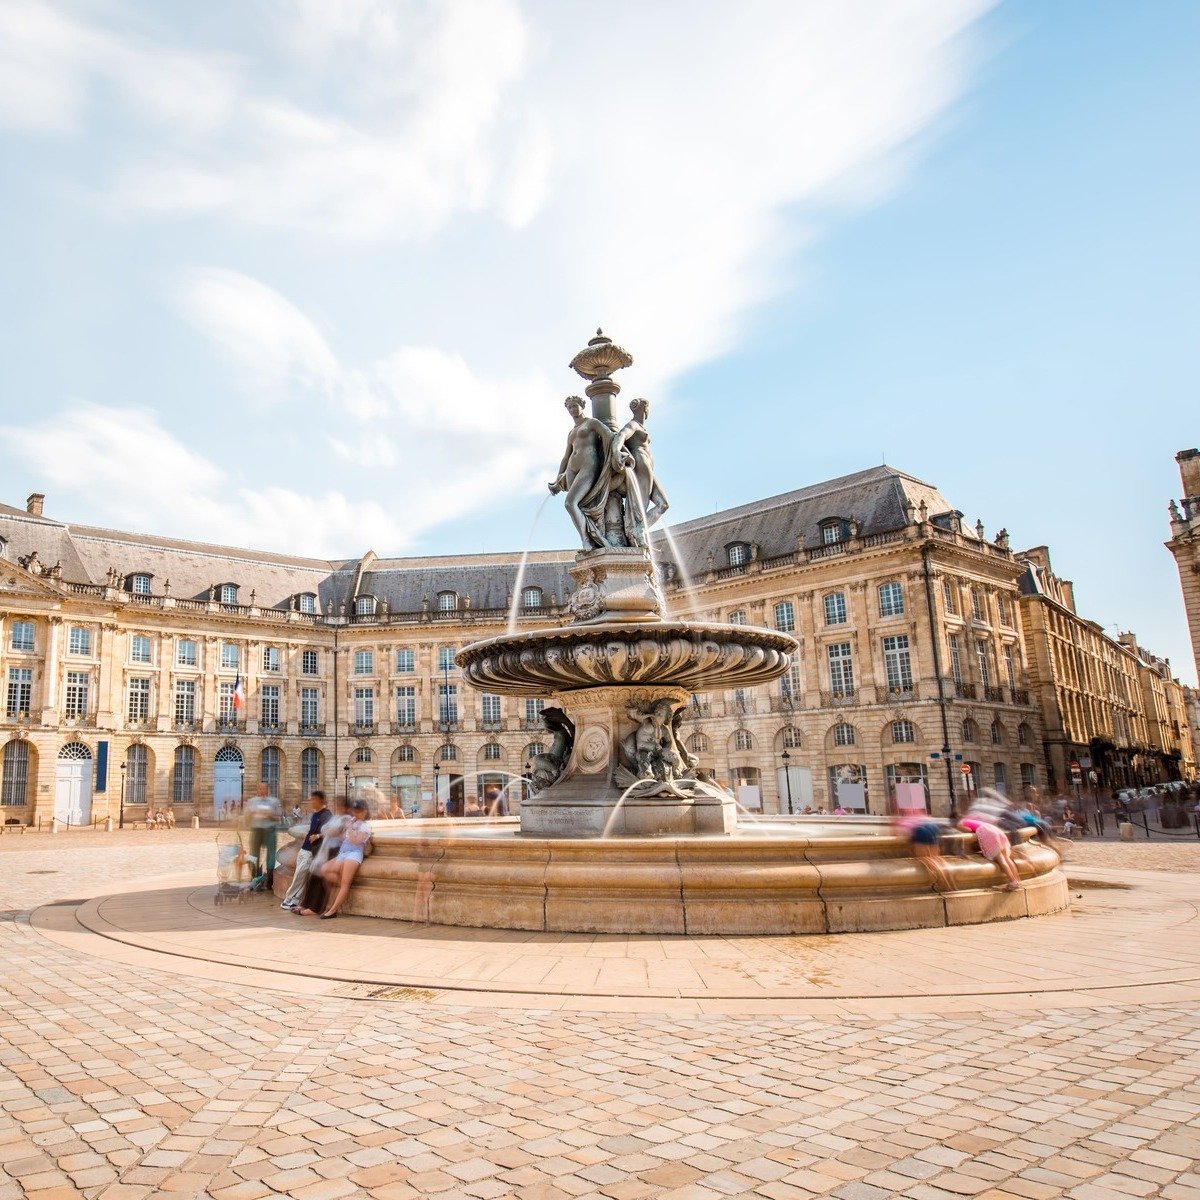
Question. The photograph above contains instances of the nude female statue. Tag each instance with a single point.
(636, 441)
(583, 474)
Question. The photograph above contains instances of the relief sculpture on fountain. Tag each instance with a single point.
(653, 753)
(546, 768)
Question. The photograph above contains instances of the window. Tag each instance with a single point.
(448, 753)
(790, 736)
(79, 640)
(841, 670)
(904, 731)
(139, 700)
(970, 731)
(698, 743)
(785, 616)
(977, 604)
(226, 711)
(310, 769)
(269, 701)
(1010, 667)
(229, 593)
(363, 755)
(406, 705)
(22, 635)
(20, 691)
(533, 750)
(364, 662)
(1002, 608)
(406, 662)
(406, 754)
(531, 597)
(492, 752)
(446, 658)
(948, 597)
(955, 661)
(739, 554)
(448, 703)
(742, 740)
(737, 618)
(137, 762)
(533, 710)
(364, 606)
(77, 695)
(310, 707)
(897, 664)
(14, 789)
(997, 733)
(271, 658)
(831, 533)
(139, 585)
(139, 648)
(1023, 734)
(308, 662)
(981, 657)
(891, 600)
(740, 703)
(447, 601)
(185, 701)
(307, 602)
(790, 684)
(1027, 776)
(1000, 775)
(835, 608)
(489, 707)
(185, 653)
(907, 772)
(843, 735)
(183, 775)
(230, 658)
(364, 706)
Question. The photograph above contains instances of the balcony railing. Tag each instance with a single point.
(312, 728)
(404, 727)
(181, 725)
(230, 725)
(964, 691)
(80, 721)
(363, 728)
(1020, 696)
(16, 718)
(993, 695)
(784, 704)
(904, 693)
(270, 727)
(533, 723)
(699, 708)
(491, 726)
(836, 699)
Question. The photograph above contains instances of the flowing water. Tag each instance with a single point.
(685, 581)
(515, 608)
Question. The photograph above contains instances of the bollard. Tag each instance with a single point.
(53, 824)
(108, 825)
(195, 822)
(1125, 831)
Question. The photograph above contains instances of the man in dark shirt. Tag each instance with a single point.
(304, 858)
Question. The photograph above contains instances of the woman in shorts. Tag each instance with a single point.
(339, 871)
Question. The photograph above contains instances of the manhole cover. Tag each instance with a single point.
(45, 872)
(369, 991)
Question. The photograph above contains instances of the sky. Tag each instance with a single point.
(305, 275)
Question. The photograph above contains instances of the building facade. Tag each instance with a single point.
(148, 672)
(1184, 543)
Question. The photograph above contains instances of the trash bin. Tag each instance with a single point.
(1125, 831)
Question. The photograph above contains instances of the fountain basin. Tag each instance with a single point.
(855, 877)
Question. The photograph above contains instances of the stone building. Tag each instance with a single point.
(1184, 543)
(127, 658)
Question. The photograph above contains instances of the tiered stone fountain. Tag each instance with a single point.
(619, 834)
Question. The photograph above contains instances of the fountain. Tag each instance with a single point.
(619, 834)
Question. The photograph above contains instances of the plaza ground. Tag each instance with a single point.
(154, 1045)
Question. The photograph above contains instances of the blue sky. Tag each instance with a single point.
(306, 276)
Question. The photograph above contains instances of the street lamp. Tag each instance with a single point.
(121, 818)
(241, 787)
(346, 780)
(527, 778)
(787, 779)
(437, 799)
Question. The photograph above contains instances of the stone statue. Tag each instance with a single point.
(1173, 508)
(585, 474)
(651, 750)
(545, 768)
(644, 499)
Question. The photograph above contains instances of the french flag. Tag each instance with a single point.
(239, 694)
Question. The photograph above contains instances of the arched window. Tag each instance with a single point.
(447, 601)
(531, 597)
(406, 754)
(835, 608)
(448, 753)
(785, 616)
(1024, 734)
(310, 769)
(229, 593)
(363, 754)
(698, 743)
(138, 584)
(742, 740)
(229, 754)
(904, 731)
(14, 786)
(136, 763)
(74, 752)
(738, 553)
(970, 731)
(1000, 775)
(492, 752)
(843, 735)
(533, 750)
(364, 606)
(891, 599)
(269, 771)
(997, 734)
(832, 531)
(183, 775)
(306, 602)
(789, 736)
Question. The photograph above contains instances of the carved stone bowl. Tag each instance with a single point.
(693, 656)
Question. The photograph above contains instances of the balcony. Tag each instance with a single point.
(17, 718)
(230, 725)
(404, 727)
(904, 693)
(699, 708)
(839, 699)
(182, 725)
(993, 695)
(964, 691)
(491, 726)
(363, 728)
(1020, 696)
(271, 728)
(79, 721)
(784, 704)
(533, 723)
(312, 728)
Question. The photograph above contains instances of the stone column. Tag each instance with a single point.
(50, 684)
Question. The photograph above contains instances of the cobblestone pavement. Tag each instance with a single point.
(125, 1081)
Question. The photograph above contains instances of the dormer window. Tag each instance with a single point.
(364, 606)
(447, 601)
(138, 584)
(228, 593)
(833, 532)
(531, 597)
(306, 602)
(739, 554)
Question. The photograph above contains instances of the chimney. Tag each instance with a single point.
(1068, 593)
(33, 506)
(1189, 472)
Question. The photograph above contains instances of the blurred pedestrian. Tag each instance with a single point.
(321, 816)
(339, 872)
(263, 815)
(994, 846)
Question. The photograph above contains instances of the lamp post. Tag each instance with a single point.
(121, 817)
(527, 778)
(346, 781)
(437, 799)
(787, 779)
(241, 787)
